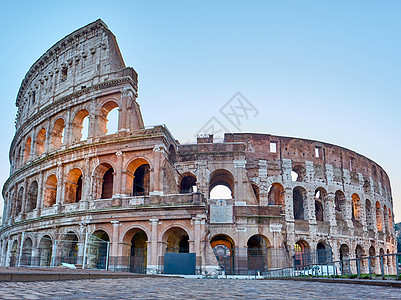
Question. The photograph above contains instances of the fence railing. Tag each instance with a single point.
(369, 267)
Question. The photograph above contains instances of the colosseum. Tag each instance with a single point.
(138, 200)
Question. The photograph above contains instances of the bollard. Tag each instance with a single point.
(358, 268)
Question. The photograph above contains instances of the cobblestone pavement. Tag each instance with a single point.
(181, 288)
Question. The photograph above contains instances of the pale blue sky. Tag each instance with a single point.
(325, 70)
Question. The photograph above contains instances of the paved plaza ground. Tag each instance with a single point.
(184, 288)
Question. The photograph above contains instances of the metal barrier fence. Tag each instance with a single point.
(88, 251)
(378, 266)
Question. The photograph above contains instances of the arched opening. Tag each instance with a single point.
(223, 247)
(138, 256)
(177, 240)
(26, 254)
(221, 185)
(372, 252)
(27, 149)
(14, 254)
(298, 173)
(324, 254)
(40, 142)
(188, 184)
(103, 181)
(57, 136)
(107, 185)
(356, 208)
(344, 256)
(359, 254)
(255, 190)
(301, 255)
(18, 202)
(135, 248)
(390, 220)
(379, 217)
(32, 196)
(80, 126)
(108, 119)
(141, 183)
(112, 121)
(386, 218)
(299, 199)
(276, 194)
(45, 251)
(257, 246)
(69, 252)
(369, 215)
(320, 204)
(50, 191)
(340, 206)
(73, 186)
(98, 250)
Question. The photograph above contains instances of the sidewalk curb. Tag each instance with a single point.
(388, 283)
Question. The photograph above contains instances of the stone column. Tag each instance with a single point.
(47, 138)
(60, 187)
(310, 207)
(155, 178)
(118, 174)
(240, 185)
(39, 200)
(152, 262)
(115, 238)
(24, 199)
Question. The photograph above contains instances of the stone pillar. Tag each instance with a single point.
(24, 198)
(289, 210)
(155, 178)
(240, 185)
(310, 207)
(60, 187)
(152, 262)
(39, 200)
(118, 174)
(115, 238)
(47, 138)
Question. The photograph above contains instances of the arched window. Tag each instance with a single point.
(139, 183)
(379, 217)
(340, 206)
(50, 191)
(299, 199)
(108, 119)
(302, 256)
(221, 185)
(57, 136)
(73, 186)
(27, 149)
(32, 196)
(18, 202)
(356, 207)
(188, 184)
(107, 185)
(40, 142)
(276, 194)
(298, 173)
(80, 126)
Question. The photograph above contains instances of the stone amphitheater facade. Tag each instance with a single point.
(139, 187)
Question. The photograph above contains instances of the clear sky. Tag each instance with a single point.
(325, 70)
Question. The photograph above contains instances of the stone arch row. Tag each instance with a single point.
(101, 182)
(65, 129)
(344, 209)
